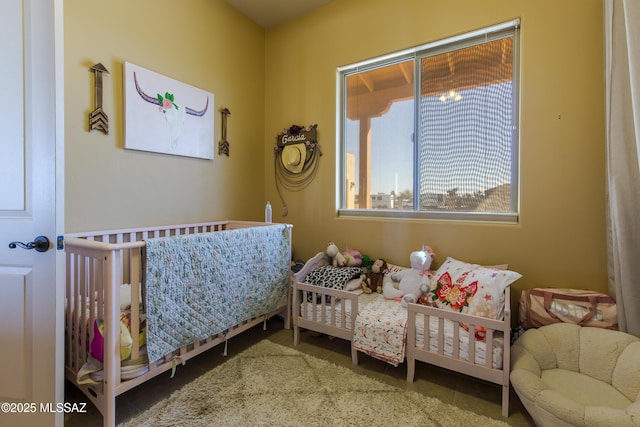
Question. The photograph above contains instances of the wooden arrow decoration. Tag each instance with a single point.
(98, 119)
(223, 145)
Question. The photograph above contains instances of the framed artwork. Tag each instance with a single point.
(164, 115)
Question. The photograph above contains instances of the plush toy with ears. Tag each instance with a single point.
(412, 280)
(337, 259)
(372, 280)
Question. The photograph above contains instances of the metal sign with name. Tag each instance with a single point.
(297, 135)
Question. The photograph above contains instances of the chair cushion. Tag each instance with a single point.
(563, 339)
(626, 376)
(600, 350)
(584, 389)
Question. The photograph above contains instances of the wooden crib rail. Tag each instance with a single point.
(83, 243)
(136, 234)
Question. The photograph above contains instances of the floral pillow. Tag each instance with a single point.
(471, 288)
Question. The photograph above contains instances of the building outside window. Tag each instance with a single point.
(432, 132)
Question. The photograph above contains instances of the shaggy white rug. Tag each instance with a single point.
(272, 385)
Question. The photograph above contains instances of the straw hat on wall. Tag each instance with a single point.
(294, 157)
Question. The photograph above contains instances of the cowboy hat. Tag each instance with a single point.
(293, 157)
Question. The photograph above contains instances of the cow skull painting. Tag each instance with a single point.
(173, 114)
(159, 115)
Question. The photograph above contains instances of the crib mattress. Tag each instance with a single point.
(463, 338)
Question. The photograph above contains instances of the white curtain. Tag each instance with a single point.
(622, 74)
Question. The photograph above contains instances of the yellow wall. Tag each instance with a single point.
(204, 43)
(560, 238)
(287, 75)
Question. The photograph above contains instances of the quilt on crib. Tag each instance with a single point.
(202, 284)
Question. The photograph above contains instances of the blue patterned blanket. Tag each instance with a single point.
(202, 284)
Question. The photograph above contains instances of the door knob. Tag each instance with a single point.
(40, 244)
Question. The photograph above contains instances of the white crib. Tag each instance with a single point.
(98, 264)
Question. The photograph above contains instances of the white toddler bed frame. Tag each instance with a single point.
(320, 315)
(98, 264)
(418, 350)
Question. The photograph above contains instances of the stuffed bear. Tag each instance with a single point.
(372, 280)
(412, 280)
(337, 259)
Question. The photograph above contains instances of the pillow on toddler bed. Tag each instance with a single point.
(392, 268)
(388, 283)
(471, 288)
(331, 277)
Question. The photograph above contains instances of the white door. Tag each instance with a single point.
(31, 366)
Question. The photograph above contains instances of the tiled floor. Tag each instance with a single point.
(465, 392)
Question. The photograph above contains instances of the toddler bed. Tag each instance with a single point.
(449, 349)
(155, 297)
(331, 311)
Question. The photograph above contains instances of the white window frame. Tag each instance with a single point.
(507, 29)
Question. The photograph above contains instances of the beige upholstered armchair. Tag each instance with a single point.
(567, 375)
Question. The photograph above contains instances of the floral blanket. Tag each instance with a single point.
(381, 330)
(202, 284)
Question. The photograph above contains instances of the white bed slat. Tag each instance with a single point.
(440, 336)
(488, 348)
(314, 308)
(471, 341)
(82, 327)
(135, 280)
(425, 327)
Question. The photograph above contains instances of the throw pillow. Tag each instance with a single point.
(471, 288)
(332, 277)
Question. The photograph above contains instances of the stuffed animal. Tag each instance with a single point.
(372, 280)
(411, 281)
(353, 257)
(367, 262)
(337, 259)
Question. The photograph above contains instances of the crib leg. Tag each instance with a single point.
(411, 369)
(296, 335)
(109, 416)
(505, 400)
(354, 355)
(287, 319)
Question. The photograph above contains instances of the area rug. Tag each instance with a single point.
(272, 385)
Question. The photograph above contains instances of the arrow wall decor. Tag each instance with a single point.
(98, 119)
(223, 145)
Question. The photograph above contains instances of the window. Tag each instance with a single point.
(444, 147)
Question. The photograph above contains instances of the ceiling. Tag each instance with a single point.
(269, 13)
